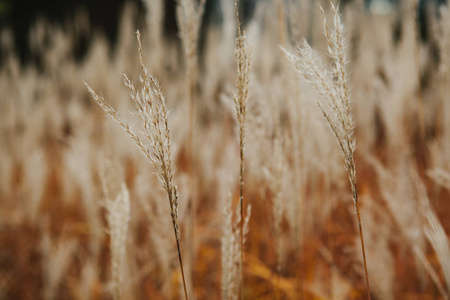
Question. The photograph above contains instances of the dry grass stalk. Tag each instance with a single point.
(231, 250)
(56, 260)
(440, 176)
(155, 15)
(189, 14)
(438, 239)
(275, 174)
(118, 219)
(240, 98)
(335, 105)
(433, 275)
(281, 16)
(151, 111)
(189, 19)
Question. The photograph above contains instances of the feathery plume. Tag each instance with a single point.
(240, 98)
(118, 219)
(334, 91)
(151, 111)
(231, 250)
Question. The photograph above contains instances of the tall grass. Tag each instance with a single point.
(118, 218)
(334, 89)
(189, 19)
(151, 111)
(240, 103)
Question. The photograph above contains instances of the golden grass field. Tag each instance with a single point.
(85, 215)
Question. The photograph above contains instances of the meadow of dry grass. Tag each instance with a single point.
(85, 215)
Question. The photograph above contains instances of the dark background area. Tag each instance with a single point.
(20, 15)
(103, 15)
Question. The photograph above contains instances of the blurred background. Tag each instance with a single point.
(102, 17)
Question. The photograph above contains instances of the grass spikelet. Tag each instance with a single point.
(151, 111)
(231, 250)
(334, 91)
(118, 219)
(240, 98)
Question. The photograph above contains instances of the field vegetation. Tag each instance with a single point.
(301, 154)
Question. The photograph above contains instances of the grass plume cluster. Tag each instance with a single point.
(240, 99)
(335, 103)
(151, 111)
